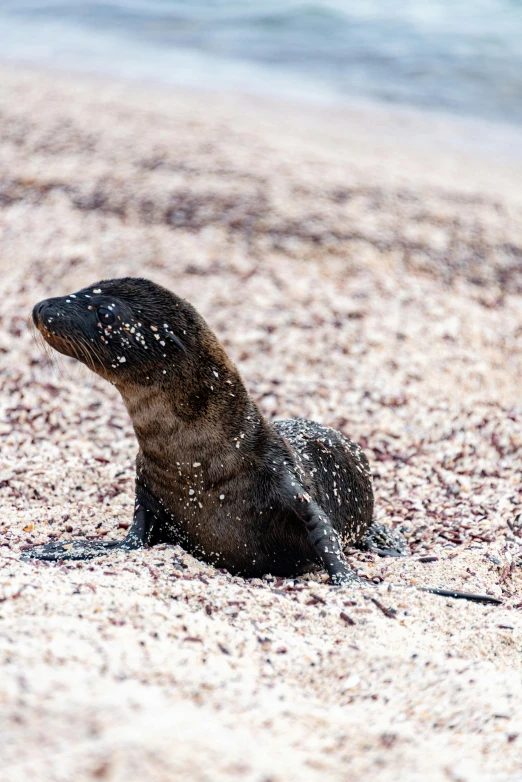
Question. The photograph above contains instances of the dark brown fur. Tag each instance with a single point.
(211, 473)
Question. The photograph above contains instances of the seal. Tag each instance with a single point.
(212, 474)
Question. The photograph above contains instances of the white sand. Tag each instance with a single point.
(363, 269)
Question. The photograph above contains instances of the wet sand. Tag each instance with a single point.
(363, 269)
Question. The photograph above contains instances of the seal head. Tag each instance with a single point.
(128, 329)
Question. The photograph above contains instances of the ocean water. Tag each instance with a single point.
(461, 56)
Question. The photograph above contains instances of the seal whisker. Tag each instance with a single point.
(53, 359)
(87, 351)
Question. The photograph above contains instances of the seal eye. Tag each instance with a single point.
(105, 316)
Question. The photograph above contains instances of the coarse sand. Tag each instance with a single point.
(364, 269)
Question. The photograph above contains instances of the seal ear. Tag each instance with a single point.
(176, 340)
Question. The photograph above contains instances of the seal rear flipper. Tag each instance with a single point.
(384, 541)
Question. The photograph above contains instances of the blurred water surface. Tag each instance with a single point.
(464, 56)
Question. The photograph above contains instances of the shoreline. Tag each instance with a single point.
(470, 135)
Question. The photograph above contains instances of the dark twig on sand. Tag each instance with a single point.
(386, 611)
(462, 595)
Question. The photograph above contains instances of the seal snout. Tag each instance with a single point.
(38, 311)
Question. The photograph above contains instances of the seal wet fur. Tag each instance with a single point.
(212, 474)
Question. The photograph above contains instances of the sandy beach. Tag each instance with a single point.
(363, 268)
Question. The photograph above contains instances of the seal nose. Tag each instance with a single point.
(38, 311)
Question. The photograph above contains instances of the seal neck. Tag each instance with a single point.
(220, 435)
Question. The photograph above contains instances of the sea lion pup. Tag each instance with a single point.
(212, 474)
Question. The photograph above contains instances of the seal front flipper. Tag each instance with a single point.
(138, 536)
(74, 549)
(320, 532)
